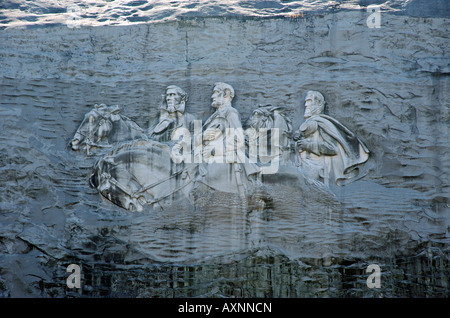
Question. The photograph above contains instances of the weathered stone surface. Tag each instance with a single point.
(388, 85)
(98, 12)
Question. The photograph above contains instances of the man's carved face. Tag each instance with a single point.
(173, 99)
(218, 97)
(312, 106)
(309, 105)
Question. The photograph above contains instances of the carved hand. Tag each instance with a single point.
(297, 135)
(207, 152)
(318, 148)
(303, 144)
(210, 134)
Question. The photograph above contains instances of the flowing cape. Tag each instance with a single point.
(351, 150)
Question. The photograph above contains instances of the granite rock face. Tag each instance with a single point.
(389, 85)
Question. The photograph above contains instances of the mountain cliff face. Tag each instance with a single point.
(389, 85)
(124, 12)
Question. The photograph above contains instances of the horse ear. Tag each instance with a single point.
(116, 110)
(114, 113)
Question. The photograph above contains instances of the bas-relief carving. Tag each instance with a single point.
(104, 126)
(172, 115)
(140, 170)
(325, 149)
(270, 117)
(215, 172)
(141, 173)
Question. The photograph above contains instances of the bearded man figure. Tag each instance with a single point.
(327, 150)
(225, 166)
(172, 115)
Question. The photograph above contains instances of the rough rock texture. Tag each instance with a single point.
(388, 85)
(124, 12)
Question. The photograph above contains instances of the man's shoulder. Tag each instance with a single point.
(231, 111)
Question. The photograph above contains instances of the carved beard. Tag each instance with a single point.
(218, 101)
(312, 110)
(215, 104)
(171, 106)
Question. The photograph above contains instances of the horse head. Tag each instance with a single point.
(262, 117)
(96, 127)
(267, 118)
